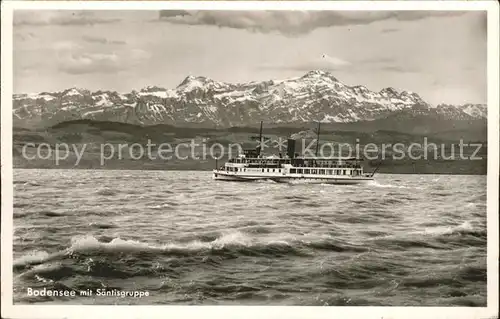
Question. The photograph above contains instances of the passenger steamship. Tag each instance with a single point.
(252, 165)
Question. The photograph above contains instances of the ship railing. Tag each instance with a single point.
(329, 166)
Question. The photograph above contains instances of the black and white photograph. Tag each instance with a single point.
(250, 154)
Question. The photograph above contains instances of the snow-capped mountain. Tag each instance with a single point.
(316, 96)
(473, 110)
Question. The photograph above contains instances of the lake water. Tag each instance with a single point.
(186, 239)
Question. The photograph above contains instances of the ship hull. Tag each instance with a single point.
(337, 180)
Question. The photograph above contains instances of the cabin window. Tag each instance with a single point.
(314, 171)
(322, 171)
(299, 171)
(268, 170)
(344, 172)
(262, 170)
(330, 172)
(293, 171)
(306, 171)
(273, 170)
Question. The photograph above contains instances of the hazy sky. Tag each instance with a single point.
(439, 55)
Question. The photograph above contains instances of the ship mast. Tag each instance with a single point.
(317, 139)
(260, 140)
(216, 157)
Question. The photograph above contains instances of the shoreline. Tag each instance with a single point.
(379, 172)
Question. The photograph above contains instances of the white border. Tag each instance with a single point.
(48, 311)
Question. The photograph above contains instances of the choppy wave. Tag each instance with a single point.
(35, 257)
(49, 213)
(382, 185)
(237, 242)
(196, 241)
(106, 192)
(102, 225)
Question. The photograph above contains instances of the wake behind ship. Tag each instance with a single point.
(252, 165)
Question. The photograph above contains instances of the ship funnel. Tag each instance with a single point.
(290, 151)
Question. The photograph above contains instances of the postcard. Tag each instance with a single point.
(250, 159)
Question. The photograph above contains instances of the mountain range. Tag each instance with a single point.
(203, 102)
(203, 109)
